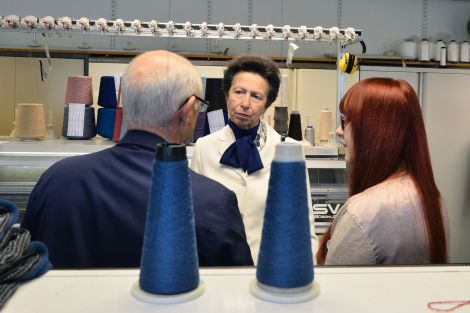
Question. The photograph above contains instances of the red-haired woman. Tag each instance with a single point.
(395, 213)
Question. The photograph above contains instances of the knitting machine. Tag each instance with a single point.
(328, 187)
(23, 162)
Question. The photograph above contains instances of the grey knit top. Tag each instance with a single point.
(382, 225)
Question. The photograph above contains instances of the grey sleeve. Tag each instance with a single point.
(349, 244)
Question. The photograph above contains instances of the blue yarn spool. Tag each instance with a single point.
(107, 94)
(169, 262)
(105, 122)
(285, 258)
(89, 128)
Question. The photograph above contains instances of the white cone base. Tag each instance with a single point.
(144, 296)
(280, 295)
(289, 152)
(30, 139)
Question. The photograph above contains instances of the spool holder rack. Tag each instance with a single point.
(119, 27)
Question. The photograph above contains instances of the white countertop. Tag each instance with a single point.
(360, 289)
(45, 152)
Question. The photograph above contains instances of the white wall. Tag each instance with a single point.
(445, 103)
(7, 92)
(21, 82)
(446, 112)
(385, 23)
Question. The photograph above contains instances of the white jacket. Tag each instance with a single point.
(251, 190)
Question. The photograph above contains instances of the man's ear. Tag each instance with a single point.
(187, 109)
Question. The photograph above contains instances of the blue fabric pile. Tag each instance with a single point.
(20, 259)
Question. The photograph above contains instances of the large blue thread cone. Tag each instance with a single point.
(169, 262)
(285, 259)
(105, 122)
(107, 94)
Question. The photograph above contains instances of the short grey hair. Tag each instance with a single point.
(152, 96)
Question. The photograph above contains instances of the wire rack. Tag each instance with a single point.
(85, 26)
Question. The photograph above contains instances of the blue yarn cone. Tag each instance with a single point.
(107, 94)
(105, 122)
(169, 262)
(285, 259)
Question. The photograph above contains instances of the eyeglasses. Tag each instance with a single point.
(344, 121)
(204, 103)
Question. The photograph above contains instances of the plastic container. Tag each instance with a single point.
(409, 49)
(443, 57)
(424, 50)
(310, 134)
(464, 52)
(437, 49)
(453, 52)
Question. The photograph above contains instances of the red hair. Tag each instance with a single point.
(389, 137)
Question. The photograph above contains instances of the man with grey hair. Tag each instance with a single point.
(90, 210)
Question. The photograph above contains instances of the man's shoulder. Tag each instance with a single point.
(206, 183)
(201, 179)
(77, 164)
(210, 196)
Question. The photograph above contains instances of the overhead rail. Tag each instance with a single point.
(157, 29)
